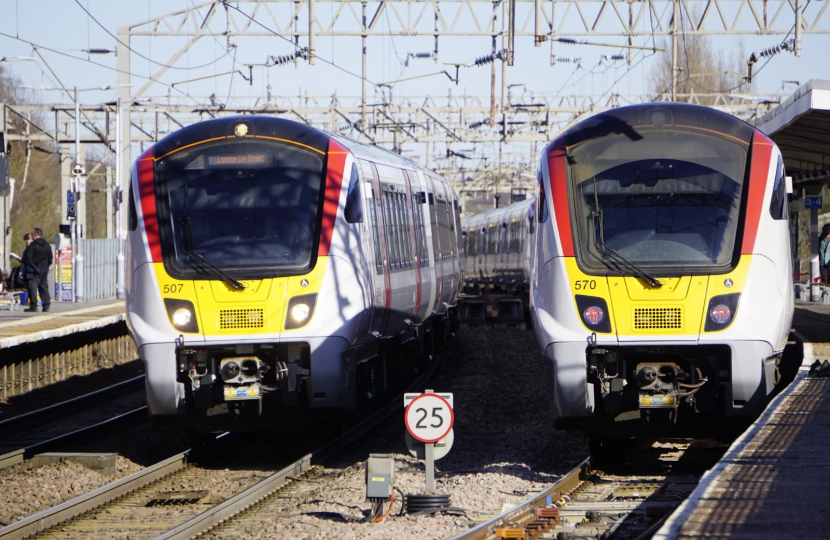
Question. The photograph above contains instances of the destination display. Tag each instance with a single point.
(242, 159)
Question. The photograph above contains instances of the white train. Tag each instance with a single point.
(497, 249)
(661, 272)
(271, 265)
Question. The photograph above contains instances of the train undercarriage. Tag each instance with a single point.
(277, 386)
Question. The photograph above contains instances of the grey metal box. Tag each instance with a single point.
(380, 476)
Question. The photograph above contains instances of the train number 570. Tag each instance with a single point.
(581, 284)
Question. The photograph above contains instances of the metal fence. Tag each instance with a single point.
(99, 268)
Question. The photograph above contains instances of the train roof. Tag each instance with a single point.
(498, 214)
(625, 120)
(226, 126)
(280, 128)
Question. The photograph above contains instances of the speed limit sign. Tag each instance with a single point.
(429, 418)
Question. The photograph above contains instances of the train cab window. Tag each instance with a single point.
(354, 203)
(778, 202)
(132, 217)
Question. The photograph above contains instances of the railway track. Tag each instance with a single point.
(174, 499)
(588, 503)
(80, 418)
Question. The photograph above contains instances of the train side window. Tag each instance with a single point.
(390, 230)
(543, 206)
(132, 219)
(436, 228)
(778, 202)
(354, 204)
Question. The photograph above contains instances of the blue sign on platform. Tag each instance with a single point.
(812, 202)
(70, 197)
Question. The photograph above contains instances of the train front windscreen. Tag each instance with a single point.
(250, 208)
(668, 201)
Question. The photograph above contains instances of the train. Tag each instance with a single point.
(497, 249)
(661, 282)
(276, 272)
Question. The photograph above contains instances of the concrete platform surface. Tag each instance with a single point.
(17, 328)
(774, 482)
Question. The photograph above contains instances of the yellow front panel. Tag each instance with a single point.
(677, 308)
(259, 308)
(256, 309)
(737, 281)
(585, 285)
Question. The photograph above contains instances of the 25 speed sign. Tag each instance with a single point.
(429, 418)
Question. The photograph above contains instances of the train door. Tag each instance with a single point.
(448, 248)
(357, 239)
(382, 288)
(436, 244)
(417, 199)
(399, 245)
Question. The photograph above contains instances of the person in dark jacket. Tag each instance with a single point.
(38, 257)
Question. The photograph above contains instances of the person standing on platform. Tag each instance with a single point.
(26, 238)
(824, 253)
(39, 256)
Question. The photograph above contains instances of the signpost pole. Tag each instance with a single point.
(430, 467)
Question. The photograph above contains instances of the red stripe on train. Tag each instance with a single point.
(758, 175)
(334, 184)
(147, 195)
(559, 191)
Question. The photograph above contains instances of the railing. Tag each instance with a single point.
(99, 268)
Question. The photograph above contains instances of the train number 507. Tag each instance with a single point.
(174, 288)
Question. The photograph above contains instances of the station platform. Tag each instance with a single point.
(773, 482)
(64, 318)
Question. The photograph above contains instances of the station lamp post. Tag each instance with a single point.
(77, 188)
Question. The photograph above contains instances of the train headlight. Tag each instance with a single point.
(182, 315)
(593, 311)
(593, 315)
(300, 310)
(721, 314)
(721, 311)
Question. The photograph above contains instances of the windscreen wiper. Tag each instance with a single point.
(206, 266)
(612, 254)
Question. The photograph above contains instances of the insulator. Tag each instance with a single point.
(423, 55)
(485, 60)
(616, 57)
(99, 51)
(280, 60)
(570, 41)
(478, 124)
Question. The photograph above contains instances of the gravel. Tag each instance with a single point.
(25, 490)
(504, 450)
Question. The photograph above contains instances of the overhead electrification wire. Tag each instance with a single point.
(162, 64)
(344, 70)
(37, 46)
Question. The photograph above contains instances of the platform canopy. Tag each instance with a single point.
(800, 126)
